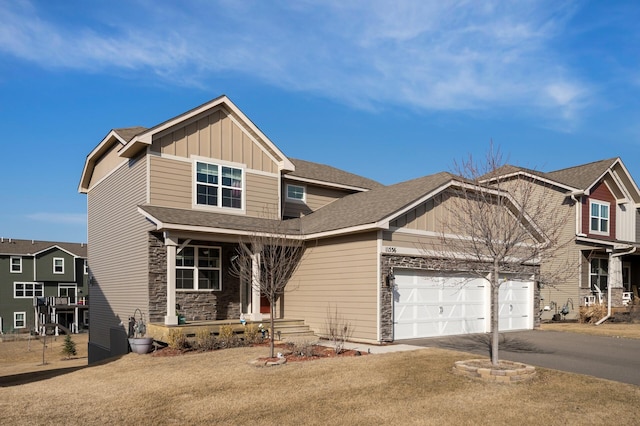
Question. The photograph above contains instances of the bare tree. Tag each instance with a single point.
(499, 221)
(267, 259)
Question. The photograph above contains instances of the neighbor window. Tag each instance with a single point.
(198, 268)
(599, 274)
(86, 267)
(16, 264)
(58, 265)
(218, 186)
(599, 217)
(19, 319)
(295, 193)
(27, 290)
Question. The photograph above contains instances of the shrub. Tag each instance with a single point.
(228, 337)
(69, 347)
(592, 314)
(303, 347)
(337, 329)
(205, 341)
(177, 339)
(252, 334)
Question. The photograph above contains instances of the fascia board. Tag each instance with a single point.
(89, 163)
(325, 183)
(147, 137)
(56, 247)
(535, 177)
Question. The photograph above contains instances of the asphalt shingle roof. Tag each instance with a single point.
(322, 172)
(29, 247)
(582, 176)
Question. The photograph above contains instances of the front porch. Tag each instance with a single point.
(285, 329)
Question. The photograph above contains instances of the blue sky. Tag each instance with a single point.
(388, 90)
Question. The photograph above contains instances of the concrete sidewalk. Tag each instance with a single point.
(374, 349)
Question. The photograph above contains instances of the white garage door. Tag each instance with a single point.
(515, 305)
(427, 305)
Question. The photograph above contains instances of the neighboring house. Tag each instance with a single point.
(167, 206)
(603, 230)
(42, 283)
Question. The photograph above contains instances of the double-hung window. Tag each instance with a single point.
(19, 319)
(599, 215)
(295, 193)
(219, 185)
(198, 268)
(58, 265)
(16, 264)
(27, 290)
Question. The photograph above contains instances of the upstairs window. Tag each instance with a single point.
(219, 186)
(16, 264)
(599, 223)
(28, 290)
(58, 265)
(295, 193)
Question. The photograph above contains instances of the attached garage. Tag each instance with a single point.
(431, 304)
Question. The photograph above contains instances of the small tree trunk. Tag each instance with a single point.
(495, 315)
(272, 325)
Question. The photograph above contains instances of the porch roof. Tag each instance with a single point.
(168, 218)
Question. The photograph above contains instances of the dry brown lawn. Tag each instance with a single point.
(627, 330)
(221, 387)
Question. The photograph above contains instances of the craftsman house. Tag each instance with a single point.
(603, 231)
(168, 205)
(42, 283)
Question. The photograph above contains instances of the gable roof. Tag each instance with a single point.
(583, 176)
(33, 247)
(135, 139)
(322, 174)
(372, 207)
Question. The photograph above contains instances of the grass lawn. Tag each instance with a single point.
(415, 387)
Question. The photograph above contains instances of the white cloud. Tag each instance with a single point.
(440, 55)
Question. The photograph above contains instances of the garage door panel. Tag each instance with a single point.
(515, 307)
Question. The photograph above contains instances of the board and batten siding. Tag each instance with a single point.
(117, 251)
(214, 134)
(337, 273)
(171, 185)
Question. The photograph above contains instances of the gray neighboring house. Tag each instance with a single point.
(41, 283)
(167, 206)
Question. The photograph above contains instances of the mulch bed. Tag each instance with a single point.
(312, 353)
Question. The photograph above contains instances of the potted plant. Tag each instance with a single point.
(137, 329)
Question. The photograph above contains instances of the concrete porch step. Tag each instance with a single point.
(292, 328)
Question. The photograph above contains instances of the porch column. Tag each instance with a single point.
(255, 287)
(172, 243)
(615, 272)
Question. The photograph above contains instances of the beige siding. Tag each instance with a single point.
(316, 197)
(170, 182)
(117, 250)
(171, 185)
(106, 163)
(338, 272)
(216, 135)
(262, 195)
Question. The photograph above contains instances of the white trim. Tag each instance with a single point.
(54, 265)
(69, 286)
(325, 183)
(15, 320)
(219, 186)
(32, 289)
(532, 176)
(379, 289)
(104, 145)
(599, 217)
(295, 200)
(11, 258)
(195, 268)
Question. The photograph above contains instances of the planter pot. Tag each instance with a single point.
(141, 345)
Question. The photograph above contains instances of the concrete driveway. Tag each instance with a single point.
(610, 358)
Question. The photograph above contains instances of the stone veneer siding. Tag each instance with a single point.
(194, 305)
(387, 262)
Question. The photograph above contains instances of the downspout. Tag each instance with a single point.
(609, 287)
